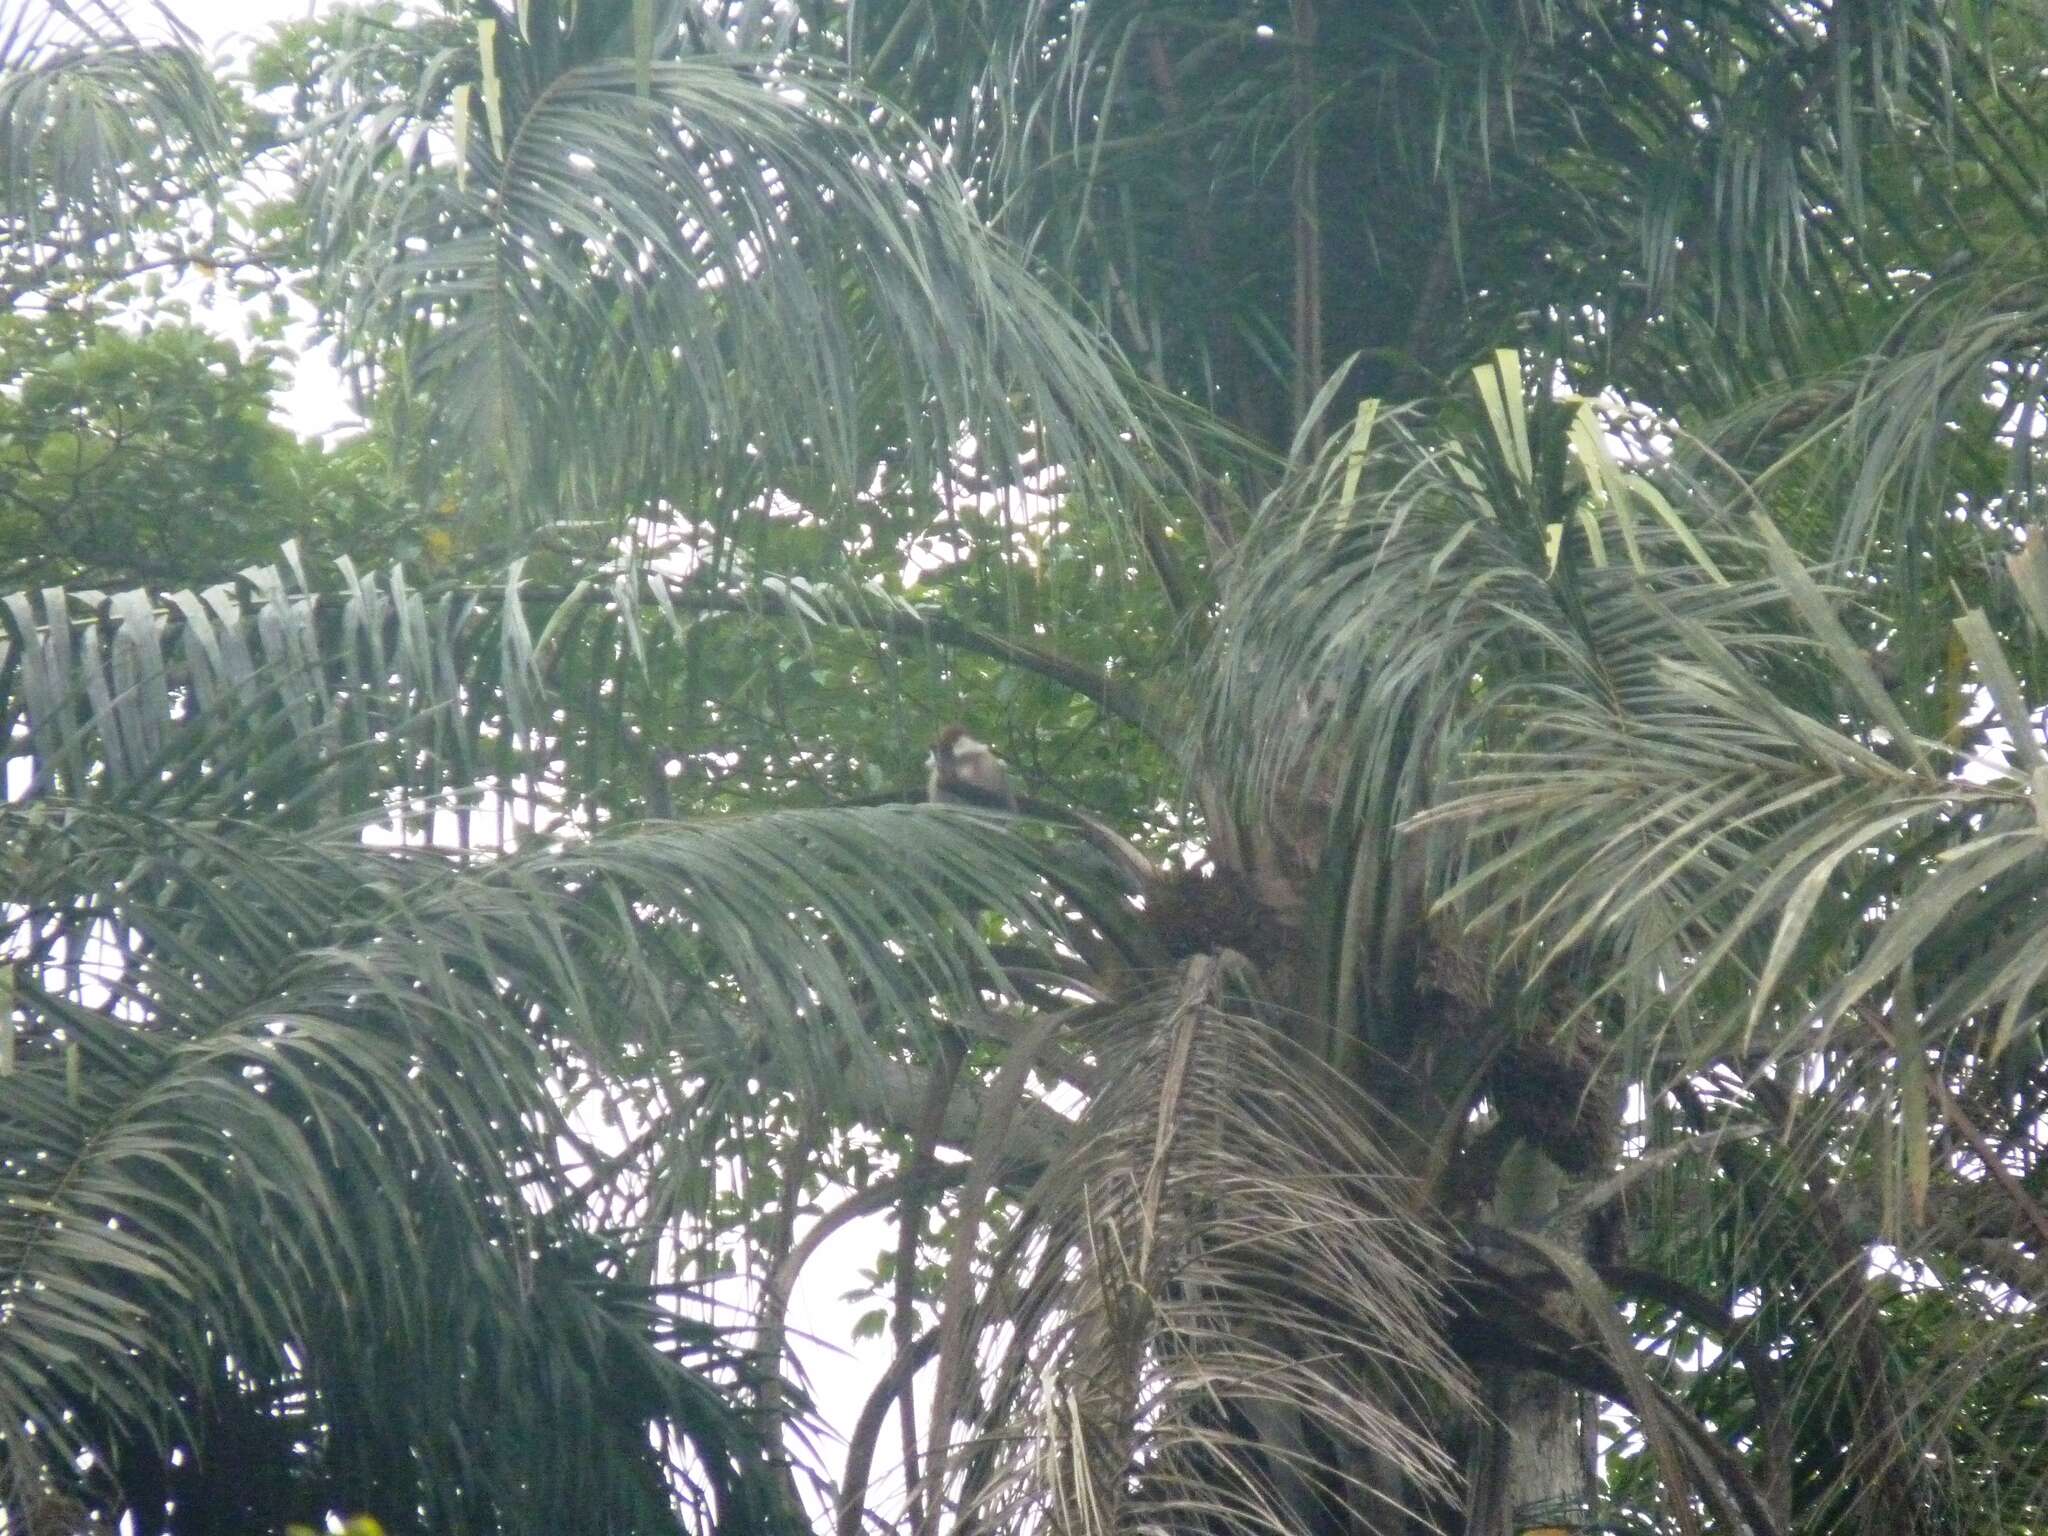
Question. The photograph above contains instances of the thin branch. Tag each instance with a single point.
(1738, 1336)
(1122, 699)
(910, 1213)
(876, 1197)
(1993, 1162)
(774, 1310)
(860, 1445)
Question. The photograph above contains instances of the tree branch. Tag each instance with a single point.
(860, 1446)
(1124, 700)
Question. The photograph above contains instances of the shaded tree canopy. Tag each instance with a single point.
(1497, 541)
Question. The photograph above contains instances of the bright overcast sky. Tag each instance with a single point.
(227, 22)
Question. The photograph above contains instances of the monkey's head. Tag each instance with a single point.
(967, 772)
(950, 744)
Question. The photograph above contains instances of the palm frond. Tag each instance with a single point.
(768, 279)
(1411, 600)
(99, 127)
(225, 1040)
(1667, 198)
(1672, 760)
(239, 1027)
(1818, 849)
(1941, 412)
(1666, 790)
(1214, 1312)
(366, 689)
(213, 1100)
(1849, 1293)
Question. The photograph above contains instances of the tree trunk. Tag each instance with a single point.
(1532, 1470)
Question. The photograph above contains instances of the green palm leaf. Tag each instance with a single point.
(772, 280)
(101, 132)
(272, 1078)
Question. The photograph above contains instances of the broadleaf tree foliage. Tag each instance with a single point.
(1498, 541)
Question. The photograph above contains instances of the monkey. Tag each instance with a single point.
(963, 771)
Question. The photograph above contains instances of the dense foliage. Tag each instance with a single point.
(153, 459)
(1498, 541)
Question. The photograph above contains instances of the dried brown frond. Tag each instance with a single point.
(1217, 1313)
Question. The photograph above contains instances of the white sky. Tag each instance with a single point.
(225, 23)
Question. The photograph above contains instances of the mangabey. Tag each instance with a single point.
(963, 771)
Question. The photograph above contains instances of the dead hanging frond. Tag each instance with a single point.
(1216, 1314)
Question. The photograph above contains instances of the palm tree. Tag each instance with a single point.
(278, 1072)
(105, 133)
(1590, 1075)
